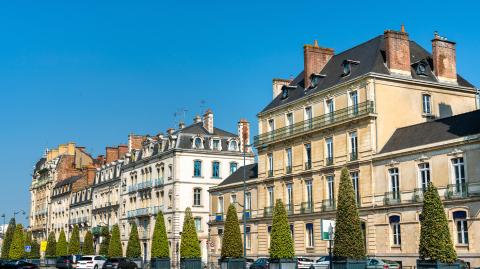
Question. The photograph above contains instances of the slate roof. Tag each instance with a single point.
(197, 128)
(40, 163)
(371, 55)
(67, 181)
(237, 176)
(186, 135)
(453, 127)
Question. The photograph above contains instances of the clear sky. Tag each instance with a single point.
(94, 71)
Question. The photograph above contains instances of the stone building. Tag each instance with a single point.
(81, 211)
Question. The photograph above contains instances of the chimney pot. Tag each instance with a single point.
(397, 50)
(208, 121)
(197, 119)
(315, 59)
(170, 131)
(444, 58)
(181, 125)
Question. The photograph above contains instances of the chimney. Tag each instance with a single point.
(100, 160)
(197, 119)
(208, 121)
(278, 84)
(170, 131)
(112, 154)
(181, 125)
(397, 50)
(122, 150)
(244, 133)
(444, 59)
(91, 171)
(315, 59)
(134, 142)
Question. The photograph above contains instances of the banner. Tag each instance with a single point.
(325, 229)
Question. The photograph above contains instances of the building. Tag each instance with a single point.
(173, 171)
(347, 110)
(81, 211)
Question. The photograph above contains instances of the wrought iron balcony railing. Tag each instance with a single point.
(418, 195)
(392, 198)
(307, 207)
(328, 205)
(270, 173)
(158, 182)
(457, 191)
(329, 161)
(308, 165)
(353, 156)
(315, 123)
(268, 211)
(288, 169)
(289, 208)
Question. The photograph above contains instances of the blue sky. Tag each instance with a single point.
(94, 71)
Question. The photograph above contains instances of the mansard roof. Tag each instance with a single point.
(67, 181)
(237, 176)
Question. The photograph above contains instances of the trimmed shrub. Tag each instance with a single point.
(105, 245)
(7, 241)
(87, 248)
(35, 254)
(74, 242)
(349, 242)
(133, 246)
(62, 245)
(189, 246)
(281, 243)
(115, 246)
(17, 248)
(435, 241)
(159, 241)
(51, 250)
(232, 238)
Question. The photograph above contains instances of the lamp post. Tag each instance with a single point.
(330, 241)
(18, 212)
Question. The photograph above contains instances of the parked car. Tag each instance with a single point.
(249, 262)
(376, 263)
(304, 263)
(119, 263)
(261, 263)
(18, 265)
(322, 262)
(67, 262)
(91, 262)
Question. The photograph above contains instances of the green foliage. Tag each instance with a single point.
(74, 243)
(87, 248)
(189, 246)
(62, 245)
(28, 242)
(159, 240)
(17, 248)
(51, 250)
(232, 239)
(115, 246)
(105, 245)
(281, 243)
(35, 254)
(133, 246)
(7, 241)
(348, 232)
(435, 241)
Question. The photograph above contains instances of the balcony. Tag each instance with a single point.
(219, 217)
(248, 214)
(289, 208)
(307, 207)
(146, 211)
(144, 185)
(456, 191)
(392, 198)
(328, 205)
(132, 188)
(97, 230)
(157, 209)
(418, 195)
(329, 161)
(308, 165)
(158, 182)
(353, 156)
(268, 211)
(316, 123)
(270, 173)
(288, 169)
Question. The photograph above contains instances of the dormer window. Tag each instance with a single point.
(347, 67)
(197, 143)
(421, 69)
(233, 145)
(315, 79)
(284, 92)
(216, 144)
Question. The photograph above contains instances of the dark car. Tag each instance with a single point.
(261, 263)
(18, 265)
(119, 263)
(67, 262)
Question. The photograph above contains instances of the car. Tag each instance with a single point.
(261, 263)
(249, 262)
(304, 263)
(322, 262)
(376, 263)
(19, 265)
(67, 262)
(91, 262)
(119, 263)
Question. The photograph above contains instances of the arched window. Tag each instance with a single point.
(233, 145)
(460, 219)
(198, 143)
(396, 233)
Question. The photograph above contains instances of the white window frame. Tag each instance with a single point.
(271, 196)
(199, 190)
(330, 181)
(458, 166)
(310, 235)
(396, 234)
(354, 175)
(289, 194)
(424, 175)
(427, 104)
(220, 205)
(394, 176)
(288, 153)
(329, 147)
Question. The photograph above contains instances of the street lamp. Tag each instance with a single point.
(18, 212)
(330, 241)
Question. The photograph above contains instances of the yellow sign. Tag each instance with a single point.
(43, 246)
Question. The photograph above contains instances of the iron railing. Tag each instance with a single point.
(392, 198)
(307, 207)
(329, 161)
(418, 195)
(353, 156)
(270, 173)
(456, 191)
(308, 165)
(289, 208)
(328, 204)
(288, 169)
(268, 211)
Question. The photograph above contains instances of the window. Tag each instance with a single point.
(248, 237)
(198, 143)
(233, 198)
(233, 145)
(459, 174)
(198, 224)
(248, 201)
(271, 125)
(354, 102)
(308, 156)
(216, 169)
(330, 188)
(308, 117)
(353, 146)
(289, 122)
(270, 164)
(269, 234)
(289, 160)
(309, 235)
(284, 92)
(427, 105)
(271, 198)
(309, 193)
(197, 197)
(290, 195)
(216, 144)
(354, 176)
(396, 233)
(197, 168)
(347, 68)
(421, 69)
(233, 167)
(329, 146)
(460, 219)
(220, 205)
(394, 183)
(329, 108)
(424, 169)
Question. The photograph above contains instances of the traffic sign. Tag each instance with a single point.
(28, 249)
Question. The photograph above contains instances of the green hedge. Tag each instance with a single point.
(74, 243)
(160, 247)
(51, 250)
(87, 248)
(281, 243)
(189, 246)
(7, 241)
(62, 245)
(115, 246)
(133, 246)
(17, 248)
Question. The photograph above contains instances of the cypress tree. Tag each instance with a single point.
(435, 241)
(115, 247)
(348, 231)
(159, 241)
(87, 248)
(62, 245)
(17, 248)
(7, 240)
(28, 242)
(74, 242)
(133, 245)
(35, 254)
(189, 246)
(105, 245)
(232, 239)
(51, 250)
(281, 243)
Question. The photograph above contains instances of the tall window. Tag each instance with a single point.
(271, 125)
(216, 169)
(330, 188)
(396, 234)
(353, 146)
(271, 198)
(198, 143)
(394, 183)
(197, 168)
(233, 167)
(216, 144)
(197, 196)
(220, 205)
(198, 224)
(290, 195)
(309, 192)
(233, 146)
(459, 174)
(249, 237)
(329, 108)
(308, 156)
(427, 105)
(329, 145)
(460, 219)
(424, 170)
(354, 176)
(354, 102)
(270, 164)
(309, 235)
(308, 117)
(233, 198)
(248, 201)
(289, 121)
(288, 152)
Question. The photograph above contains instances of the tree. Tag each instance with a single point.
(435, 241)
(105, 245)
(348, 231)
(51, 250)
(7, 241)
(281, 243)
(74, 243)
(28, 242)
(189, 247)
(35, 254)
(232, 239)
(115, 247)
(62, 245)
(159, 240)
(17, 248)
(133, 245)
(87, 248)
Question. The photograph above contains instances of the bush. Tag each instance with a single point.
(28, 242)
(232, 239)
(189, 246)
(105, 245)
(51, 250)
(7, 241)
(87, 248)
(35, 254)
(159, 241)
(435, 241)
(17, 248)
(281, 243)
(348, 232)
(74, 243)
(133, 245)
(115, 246)
(62, 245)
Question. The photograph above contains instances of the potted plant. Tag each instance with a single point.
(51, 251)
(282, 252)
(436, 248)
(160, 253)
(74, 243)
(87, 247)
(349, 248)
(232, 249)
(190, 256)
(134, 251)
(114, 245)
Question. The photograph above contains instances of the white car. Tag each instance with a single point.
(90, 262)
(322, 263)
(304, 263)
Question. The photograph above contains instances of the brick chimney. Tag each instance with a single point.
(278, 84)
(208, 121)
(397, 51)
(100, 160)
(244, 133)
(91, 171)
(122, 150)
(315, 59)
(197, 119)
(444, 59)
(135, 142)
(111, 154)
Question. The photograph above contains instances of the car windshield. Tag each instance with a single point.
(86, 258)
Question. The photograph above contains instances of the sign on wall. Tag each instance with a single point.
(43, 246)
(325, 228)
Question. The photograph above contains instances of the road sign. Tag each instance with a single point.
(325, 228)
(28, 249)
(43, 246)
